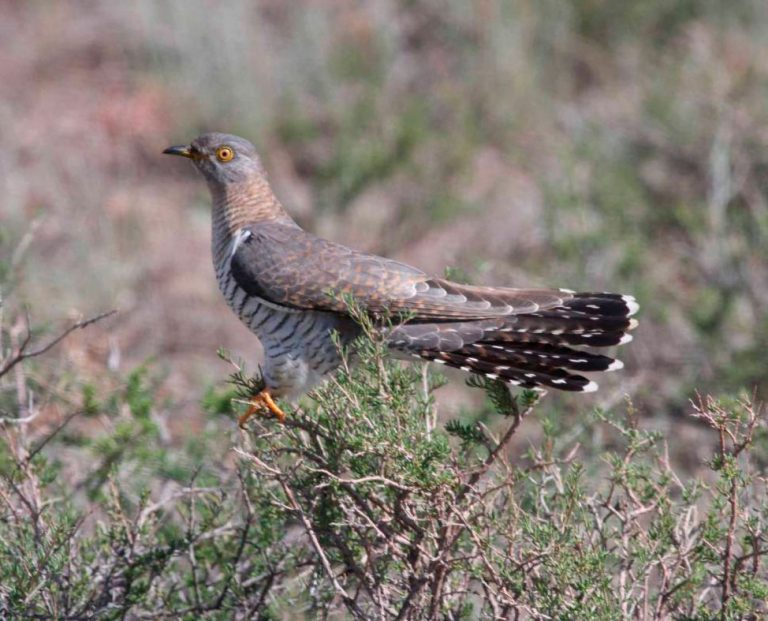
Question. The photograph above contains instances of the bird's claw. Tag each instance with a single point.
(262, 402)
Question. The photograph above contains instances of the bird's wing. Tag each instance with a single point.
(287, 266)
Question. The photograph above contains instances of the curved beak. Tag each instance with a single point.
(182, 150)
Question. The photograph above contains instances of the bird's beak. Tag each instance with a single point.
(182, 150)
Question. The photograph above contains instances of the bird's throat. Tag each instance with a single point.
(238, 205)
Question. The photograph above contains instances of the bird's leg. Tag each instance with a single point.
(261, 401)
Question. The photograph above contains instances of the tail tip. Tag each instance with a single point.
(615, 366)
(626, 338)
(589, 387)
(632, 305)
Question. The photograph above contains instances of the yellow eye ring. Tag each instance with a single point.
(225, 153)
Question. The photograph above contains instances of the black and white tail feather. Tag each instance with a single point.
(537, 350)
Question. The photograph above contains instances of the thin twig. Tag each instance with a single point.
(350, 603)
(22, 354)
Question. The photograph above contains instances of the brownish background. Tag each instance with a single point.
(591, 144)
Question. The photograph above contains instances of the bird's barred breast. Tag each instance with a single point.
(298, 348)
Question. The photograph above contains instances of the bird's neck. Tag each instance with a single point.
(240, 204)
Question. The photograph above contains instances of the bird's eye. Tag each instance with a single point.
(224, 154)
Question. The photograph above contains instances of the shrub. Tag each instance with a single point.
(363, 506)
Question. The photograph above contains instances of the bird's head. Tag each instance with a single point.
(223, 159)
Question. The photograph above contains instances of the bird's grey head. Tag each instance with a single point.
(223, 159)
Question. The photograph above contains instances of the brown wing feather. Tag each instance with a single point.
(287, 266)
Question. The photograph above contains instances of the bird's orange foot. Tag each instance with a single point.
(261, 402)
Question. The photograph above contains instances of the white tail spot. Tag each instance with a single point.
(631, 303)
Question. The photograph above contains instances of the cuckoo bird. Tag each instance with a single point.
(285, 284)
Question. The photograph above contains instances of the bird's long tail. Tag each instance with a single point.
(541, 349)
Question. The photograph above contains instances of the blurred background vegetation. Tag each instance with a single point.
(592, 144)
(589, 144)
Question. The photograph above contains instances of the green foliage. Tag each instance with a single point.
(468, 433)
(363, 503)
